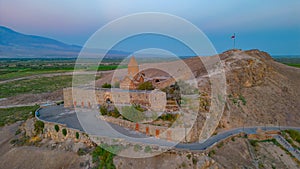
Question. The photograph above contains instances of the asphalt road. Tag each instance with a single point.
(95, 126)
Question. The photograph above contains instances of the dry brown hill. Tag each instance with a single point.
(260, 91)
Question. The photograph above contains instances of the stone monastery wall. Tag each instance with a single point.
(90, 98)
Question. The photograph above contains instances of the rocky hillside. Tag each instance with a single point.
(260, 91)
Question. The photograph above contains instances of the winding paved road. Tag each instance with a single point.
(95, 126)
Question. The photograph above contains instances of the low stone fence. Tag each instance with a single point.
(58, 136)
(161, 132)
(50, 132)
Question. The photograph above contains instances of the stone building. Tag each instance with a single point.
(86, 97)
(135, 77)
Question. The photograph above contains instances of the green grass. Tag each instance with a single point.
(103, 155)
(16, 68)
(12, 115)
(293, 64)
(295, 135)
(12, 73)
(38, 85)
(105, 67)
(17, 73)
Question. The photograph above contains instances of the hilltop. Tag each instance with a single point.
(260, 91)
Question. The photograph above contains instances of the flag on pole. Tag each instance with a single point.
(233, 37)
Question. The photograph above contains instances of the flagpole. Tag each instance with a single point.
(234, 41)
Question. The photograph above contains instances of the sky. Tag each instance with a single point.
(270, 25)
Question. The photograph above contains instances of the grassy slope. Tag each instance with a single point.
(12, 115)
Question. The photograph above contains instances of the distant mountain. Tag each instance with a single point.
(16, 45)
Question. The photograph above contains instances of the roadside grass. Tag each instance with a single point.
(294, 134)
(14, 114)
(103, 155)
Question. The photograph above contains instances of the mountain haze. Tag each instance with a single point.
(18, 45)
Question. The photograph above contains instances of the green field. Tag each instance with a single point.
(42, 84)
(39, 85)
(293, 64)
(16, 68)
(12, 115)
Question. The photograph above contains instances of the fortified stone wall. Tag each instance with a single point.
(50, 132)
(90, 98)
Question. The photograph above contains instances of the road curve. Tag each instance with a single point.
(62, 115)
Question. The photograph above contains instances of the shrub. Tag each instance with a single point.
(169, 117)
(103, 110)
(145, 86)
(147, 149)
(18, 132)
(56, 127)
(189, 156)
(211, 153)
(220, 145)
(253, 143)
(106, 85)
(137, 147)
(195, 160)
(64, 132)
(242, 98)
(82, 151)
(115, 113)
(39, 127)
(77, 135)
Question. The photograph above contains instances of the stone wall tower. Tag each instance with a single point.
(133, 67)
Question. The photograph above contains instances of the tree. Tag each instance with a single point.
(103, 110)
(39, 127)
(64, 132)
(56, 127)
(145, 86)
(106, 85)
